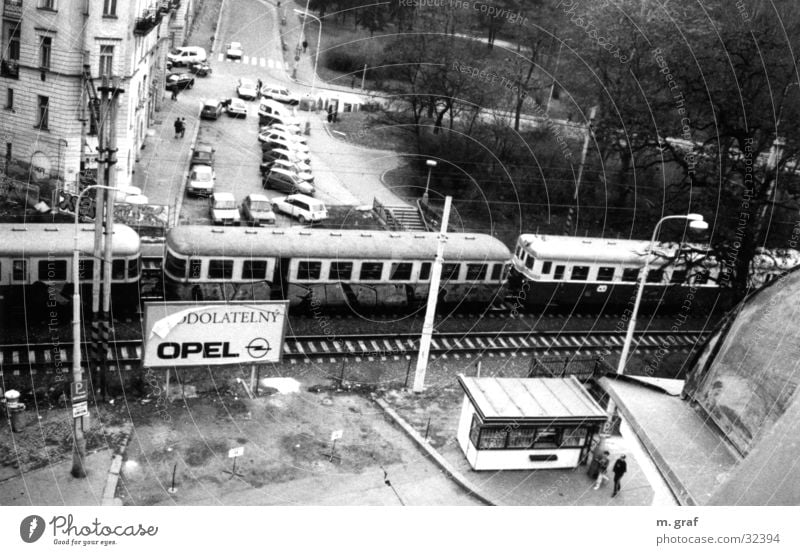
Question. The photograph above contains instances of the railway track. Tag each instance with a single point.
(127, 355)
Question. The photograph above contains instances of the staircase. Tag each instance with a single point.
(400, 217)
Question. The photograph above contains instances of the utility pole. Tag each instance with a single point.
(433, 297)
(100, 107)
(573, 209)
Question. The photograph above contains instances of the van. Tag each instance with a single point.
(187, 55)
(270, 111)
(287, 181)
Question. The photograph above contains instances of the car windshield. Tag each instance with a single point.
(202, 175)
(224, 204)
(260, 205)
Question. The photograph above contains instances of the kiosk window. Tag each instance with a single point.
(492, 438)
(450, 271)
(401, 271)
(19, 270)
(254, 269)
(573, 437)
(371, 271)
(476, 272)
(174, 265)
(580, 273)
(546, 437)
(605, 273)
(559, 272)
(521, 438)
(546, 267)
(630, 274)
(309, 269)
(340, 271)
(425, 271)
(195, 268)
(220, 269)
(53, 270)
(475, 430)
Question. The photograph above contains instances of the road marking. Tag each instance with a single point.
(245, 59)
(271, 63)
(263, 62)
(254, 61)
(221, 57)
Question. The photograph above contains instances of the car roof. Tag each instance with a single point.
(203, 147)
(223, 196)
(202, 168)
(258, 197)
(304, 198)
(283, 171)
(237, 101)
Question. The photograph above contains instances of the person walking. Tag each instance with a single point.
(305, 45)
(175, 91)
(183, 127)
(177, 126)
(620, 468)
(602, 470)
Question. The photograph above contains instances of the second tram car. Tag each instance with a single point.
(356, 268)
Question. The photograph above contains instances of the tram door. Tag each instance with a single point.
(280, 283)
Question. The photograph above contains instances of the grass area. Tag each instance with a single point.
(368, 130)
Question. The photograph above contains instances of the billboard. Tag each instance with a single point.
(214, 333)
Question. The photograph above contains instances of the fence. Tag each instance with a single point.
(583, 368)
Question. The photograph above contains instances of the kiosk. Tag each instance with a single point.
(527, 423)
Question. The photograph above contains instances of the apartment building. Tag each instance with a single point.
(54, 56)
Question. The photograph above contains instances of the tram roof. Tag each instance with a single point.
(330, 243)
(43, 240)
(593, 249)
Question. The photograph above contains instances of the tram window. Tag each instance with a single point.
(450, 271)
(371, 271)
(497, 270)
(476, 272)
(307, 269)
(425, 271)
(529, 262)
(700, 279)
(195, 268)
(340, 271)
(546, 267)
(559, 274)
(85, 269)
(254, 270)
(220, 269)
(580, 273)
(133, 268)
(605, 273)
(401, 271)
(518, 252)
(52, 270)
(19, 270)
(678, 276)
(655, 276)
(630, 274)
(117, 269)
(175, 266)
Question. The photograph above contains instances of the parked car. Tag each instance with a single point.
(270, 112)
(203, 153)
(302, 207)
(201, 69)
(247, 89)
(186, 55)
(277, 134)
(303, 174)
(201, 180)
(181, 80)
(256, 209)
(223, 209)
(212, 109)
(234, 50)
(237, 107)
(280, 94)
(295, 146)
(269, 157)
(291, 129)
(286, 181)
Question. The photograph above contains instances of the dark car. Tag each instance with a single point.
(201, 69)
(181, 80)
(203, 154)
(212, 109)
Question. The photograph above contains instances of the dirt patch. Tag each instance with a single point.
(199, 452)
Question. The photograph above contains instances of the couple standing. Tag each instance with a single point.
(180, 127)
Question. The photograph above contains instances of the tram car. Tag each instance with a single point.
(567, 272)
(36, 264)
(330, 268)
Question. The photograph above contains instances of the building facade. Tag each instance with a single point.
(55, 54)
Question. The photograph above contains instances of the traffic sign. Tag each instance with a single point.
(235, 452)
(337, 434)
(80, 409)
(79, 391)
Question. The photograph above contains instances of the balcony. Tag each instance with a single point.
(12, 9)
(9, 68)
(150, 20)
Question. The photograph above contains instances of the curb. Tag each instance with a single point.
(214, 40)
(114, 472)
(176, 220)
(451, 472)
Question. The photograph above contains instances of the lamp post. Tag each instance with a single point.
(79, 449)
(695, 222)
(431, 164)
(316, 57)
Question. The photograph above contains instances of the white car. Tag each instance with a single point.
(280, 94)
(257, 209)
(303, 174)
(278, 135)
(289, 129)
(247, 89)
(201, 180)
(223, 209)
(237, 108)
(304, 208)
(234, 50)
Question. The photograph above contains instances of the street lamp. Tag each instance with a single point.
(79, 450)
(316, 54)
(695, 222)
(431, 164)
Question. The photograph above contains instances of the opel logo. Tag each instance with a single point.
(258, 348)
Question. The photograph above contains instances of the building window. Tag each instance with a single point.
(401, 271)
(45, 48)
(340, 271)
(308, 270)
(106, 60)
(47, 4)
(195, 268)
(44, 105)
(546, 267)
(19, 270)
(630, 274)
(220, 269)
(110, 8)
(605, 273)
(476, 272)
(254, 270)
(9, 99)
(580, 273)
(53, 270)
(371, 271)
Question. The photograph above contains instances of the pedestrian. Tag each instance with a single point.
(177, 126)
(602, 470)
(174, 91)
(305, 45)
(259, 84)
(620, 468)
(330, 114)
(183, 127)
